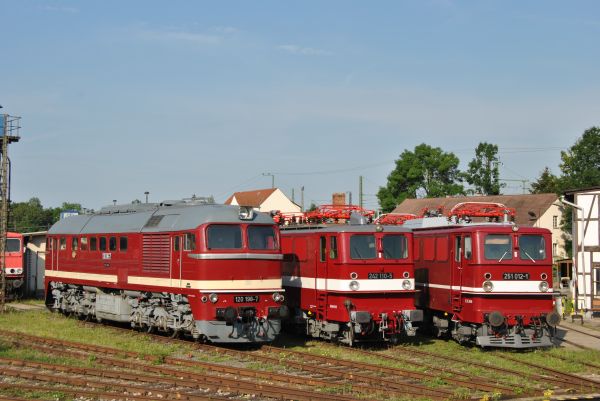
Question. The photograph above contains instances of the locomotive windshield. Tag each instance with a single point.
(532, 247)
(261, 237)
(394, 247)
(498, 247)
(13, 245)
(362, 247)
(221, 236)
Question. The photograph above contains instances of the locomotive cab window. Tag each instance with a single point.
(333, 252)
(362, 247)
(322, 248)
(261, 237)
(222, 236)
(394, 247)
(13, 245)
(498, 247)
(189, 242)
(468, 248)
(532, 247)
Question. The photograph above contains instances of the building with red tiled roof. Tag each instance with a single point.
(536, 210)
(264, 200)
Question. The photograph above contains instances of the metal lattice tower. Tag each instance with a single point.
(9, 128)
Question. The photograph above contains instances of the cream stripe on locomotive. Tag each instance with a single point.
(226, 256)
(500, 287)
(344, 285)
(269, 284)
(109, 278)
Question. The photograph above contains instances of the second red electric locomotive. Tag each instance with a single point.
(350, 282)
(13, 265)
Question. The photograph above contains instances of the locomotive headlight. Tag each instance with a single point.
(354, 285)
(406, 284)
(488, 286)
(543, 286)
(213, 298)
(19, 271)
(277, 297)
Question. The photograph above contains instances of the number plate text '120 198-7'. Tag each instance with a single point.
(515, 276)
(379, 276)
(245, 298)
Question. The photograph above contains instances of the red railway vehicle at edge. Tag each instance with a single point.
(209, 271)
(490, 282)
(350, 282)
(13, 264)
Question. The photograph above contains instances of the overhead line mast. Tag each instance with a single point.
(9, 128)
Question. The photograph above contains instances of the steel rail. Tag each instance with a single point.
(234, 385)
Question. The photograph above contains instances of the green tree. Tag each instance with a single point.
(581, 162)
(29, 216)
(425, 172)
(66, 206)
(483, 170)
(546, 183)
(580, 168)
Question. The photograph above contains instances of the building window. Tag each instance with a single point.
(554, 249)
(554, 221)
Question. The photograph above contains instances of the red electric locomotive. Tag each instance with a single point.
(209, 271)
(13, 265)
(490, 282)
(351, 282)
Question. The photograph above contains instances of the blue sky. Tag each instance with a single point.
(192, 97)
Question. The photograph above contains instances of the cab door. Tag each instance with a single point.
(321, 279)
(457, 271)
(176, 259)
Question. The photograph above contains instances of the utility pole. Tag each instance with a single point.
(360, 191)
(302, 198)
(272, 178)
(9, 127)
(293, 200)
(523, 183)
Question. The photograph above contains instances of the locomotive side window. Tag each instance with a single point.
(63, 243)
(84, 243)
(103, 243)
(261, 237)
(468, 248)
(13, 245)
(189, 242)
(49, 244)
(498, 247)
(532, 247)
(362, 247)
(74, 243)
(176, 243)
(112, 243)
(333, 252)
(457, 249)
(93, 243)
(322, 248)
(221, 236)
(123, 244)
(429, 248)
(441, 249)
(394, 247)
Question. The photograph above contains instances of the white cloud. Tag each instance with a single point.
(181, 36)
(304, 51)
(70, 10)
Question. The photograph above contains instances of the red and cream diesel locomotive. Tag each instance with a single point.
(208, 271)
(350, 282)
(490, 282)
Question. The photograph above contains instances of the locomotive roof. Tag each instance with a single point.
(153, 218)
(342, 228)
(433, 223)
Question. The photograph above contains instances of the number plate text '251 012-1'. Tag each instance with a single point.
(515, 276)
